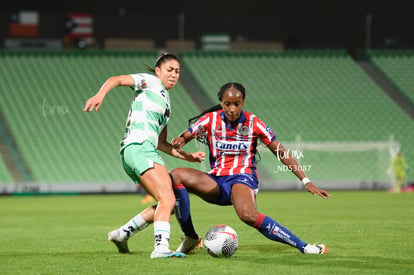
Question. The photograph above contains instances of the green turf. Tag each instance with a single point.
(366, 233)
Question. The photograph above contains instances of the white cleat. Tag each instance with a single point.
(166, 254)
(315, 249)
(122, 245)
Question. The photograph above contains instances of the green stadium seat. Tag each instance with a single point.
(398, 65)
(5, 176)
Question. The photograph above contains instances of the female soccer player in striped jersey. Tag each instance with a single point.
(146, 131)
(232, 136)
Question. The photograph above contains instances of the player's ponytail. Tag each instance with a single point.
(212, 109)
(220, 93)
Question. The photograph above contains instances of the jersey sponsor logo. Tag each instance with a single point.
(230, 153)
(167, 110)
(162, 92)
(232, 145)
(269, 130)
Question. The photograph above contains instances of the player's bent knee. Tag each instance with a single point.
(166, 200)
(248, 217)
(177, 174)
(170, 203)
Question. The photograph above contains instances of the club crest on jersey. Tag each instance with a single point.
(143, 84)
(244, 131)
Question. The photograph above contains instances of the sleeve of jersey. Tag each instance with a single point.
(199, 127)
(264, 132)
(141, 81)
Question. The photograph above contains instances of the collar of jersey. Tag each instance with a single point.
(241, 119)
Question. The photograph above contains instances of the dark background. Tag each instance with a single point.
(296, 23)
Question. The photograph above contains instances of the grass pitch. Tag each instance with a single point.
(366, 233)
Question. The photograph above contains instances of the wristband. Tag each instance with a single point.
(305, 180)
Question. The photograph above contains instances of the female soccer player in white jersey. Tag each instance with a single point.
(146, 131)
(232, 136)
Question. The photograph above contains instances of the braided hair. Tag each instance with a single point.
(220, 93)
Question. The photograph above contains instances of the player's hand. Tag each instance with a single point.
(178, 142)
(198, 156)
(93, 103)
(316, 191)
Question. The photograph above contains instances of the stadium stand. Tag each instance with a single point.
(398, 66)
(5, 176)
(307, 96)
(44, 94)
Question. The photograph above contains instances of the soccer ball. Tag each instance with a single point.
(221, 241)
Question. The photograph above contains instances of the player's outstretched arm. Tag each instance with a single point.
(166, 147)
(316, 191)
(182, 140)
(95, 101)
(283, 155)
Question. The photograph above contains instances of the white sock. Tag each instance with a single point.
(161, 236)
(136, 224)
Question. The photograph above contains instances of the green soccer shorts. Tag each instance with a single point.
(138, 158)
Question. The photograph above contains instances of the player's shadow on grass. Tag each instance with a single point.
(131, 253)
(264, 252)
(289, 256)
(382, 264)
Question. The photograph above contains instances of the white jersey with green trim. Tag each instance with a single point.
(150, 110)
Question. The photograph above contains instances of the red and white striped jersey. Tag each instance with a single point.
(232, 149)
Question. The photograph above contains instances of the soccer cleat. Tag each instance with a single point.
(166, 254)
(122, 245)
(315, 249)
(189, 244)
